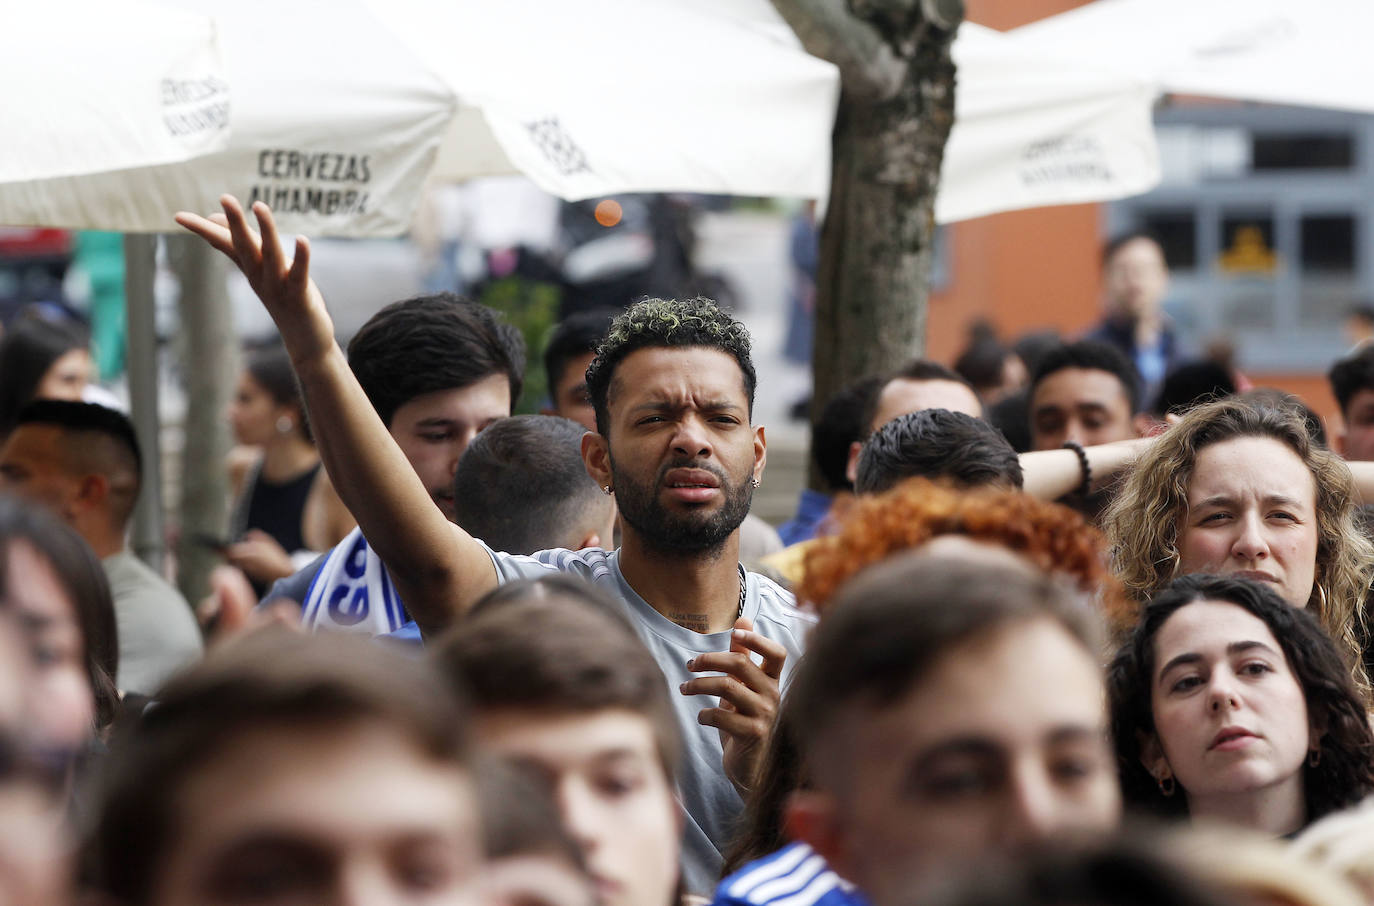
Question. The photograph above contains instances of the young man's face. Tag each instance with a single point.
(1086, 405)
(434, 429)
(681, 454)
(354, 814)
(615, 799)
(1004, 743)
(569, 392)
(1357, 443)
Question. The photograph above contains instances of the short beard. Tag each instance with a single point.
(675, 534)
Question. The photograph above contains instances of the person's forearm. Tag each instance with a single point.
(1050, 474)
(1363, 473)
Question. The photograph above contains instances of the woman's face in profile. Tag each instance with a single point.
(62, 703)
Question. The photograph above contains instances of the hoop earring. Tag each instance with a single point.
(285, 424)
(1166, 785)
(1321, 599)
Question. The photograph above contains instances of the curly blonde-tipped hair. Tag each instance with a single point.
(1052, 537)
(1142, 523)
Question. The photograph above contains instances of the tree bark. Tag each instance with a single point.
(210, 363)
(875, 256)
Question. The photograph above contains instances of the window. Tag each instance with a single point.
(1332, 151)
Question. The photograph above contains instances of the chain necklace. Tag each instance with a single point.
(743, 580)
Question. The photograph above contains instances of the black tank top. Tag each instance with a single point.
(277, 508)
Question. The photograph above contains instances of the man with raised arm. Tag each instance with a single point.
(673, 390)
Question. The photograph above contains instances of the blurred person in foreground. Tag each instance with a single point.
(532, 860)
(1231, 705)
(53, 587)
(953, 707)
(81, 461)
(581, 704)
(673, 389)
(292, 768)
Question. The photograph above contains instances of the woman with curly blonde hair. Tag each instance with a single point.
(1238, 487)
(1052, 537)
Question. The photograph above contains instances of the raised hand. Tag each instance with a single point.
(285, 287)
(749, 697)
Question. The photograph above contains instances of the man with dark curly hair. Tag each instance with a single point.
(673, 390)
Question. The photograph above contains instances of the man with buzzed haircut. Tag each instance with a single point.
(919, 384)
(673, 391)
(82, 462)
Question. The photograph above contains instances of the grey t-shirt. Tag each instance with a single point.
(157, 631)
(708, 797)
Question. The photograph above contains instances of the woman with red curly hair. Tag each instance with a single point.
(1054, 538)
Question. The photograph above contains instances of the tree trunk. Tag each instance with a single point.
(896, 110)
(210, 363)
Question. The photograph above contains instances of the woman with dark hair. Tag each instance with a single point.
(41, 358)
(1229, 703)
(285, 508)
(52, 582)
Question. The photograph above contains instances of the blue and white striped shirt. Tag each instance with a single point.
(795, 875)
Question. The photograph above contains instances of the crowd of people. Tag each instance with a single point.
(1082, 622)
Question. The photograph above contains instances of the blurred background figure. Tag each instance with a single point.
(285, 510)
(42, 356)
(995, 371)
(1135, 280)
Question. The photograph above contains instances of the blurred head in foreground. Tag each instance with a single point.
(290, 768)
(561, 686)
(954, 707)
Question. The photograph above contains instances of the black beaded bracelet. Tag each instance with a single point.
(1086, 485)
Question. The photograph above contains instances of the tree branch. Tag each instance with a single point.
(869, 69)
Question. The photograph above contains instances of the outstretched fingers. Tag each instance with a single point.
(214, 230)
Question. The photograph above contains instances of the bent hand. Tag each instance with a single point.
(260, 556)
(749, 695)
(285, 287)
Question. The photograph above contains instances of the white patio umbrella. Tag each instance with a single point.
(1314, 53)
(340, 113)
(94, 87)
(1034, 128)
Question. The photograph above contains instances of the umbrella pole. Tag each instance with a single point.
(139, 270)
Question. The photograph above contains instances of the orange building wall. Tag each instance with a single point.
(1024, 269)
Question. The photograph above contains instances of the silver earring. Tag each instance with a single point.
(606, 489)
(756, 482)
(285, 424)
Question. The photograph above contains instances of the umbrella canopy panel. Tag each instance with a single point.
(91, 87)
(1312, 54)
(341, 112)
